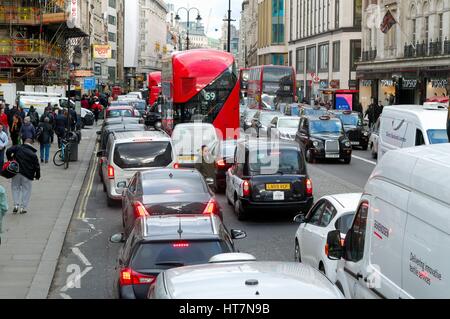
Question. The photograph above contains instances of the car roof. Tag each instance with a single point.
(271, 280)
(124, 126)
(289, 118)
(119, 107)
(187, 125)
(317, 118)
(179, 227)
(346, 202)
(165, 173)
(133, 136)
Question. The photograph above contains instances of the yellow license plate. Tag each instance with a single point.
(278, 187)
(187, 158)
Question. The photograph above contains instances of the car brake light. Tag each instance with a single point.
(211, 207)
(110, 172)
(246, 188)
(220, 163)
(309, 187)
(140, 210)
(326, 250)
(181, 245)
(176, 165)
(130, 277)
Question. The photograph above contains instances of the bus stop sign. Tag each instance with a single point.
(89, 83)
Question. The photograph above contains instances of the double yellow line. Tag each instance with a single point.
(88, 190)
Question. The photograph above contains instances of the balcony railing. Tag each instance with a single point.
(369, 55)
(29, 48)
(431, 49)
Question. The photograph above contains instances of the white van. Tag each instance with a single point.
(40, 100)
(405, 126)
(398, 244)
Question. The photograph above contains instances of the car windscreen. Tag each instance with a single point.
(191, 185)
(437, 136)
(143, 154)
(269, 162)
(165, 255)
(344, 223)
(325, 126)
(289, 123)
(350, 119)
(119, 113)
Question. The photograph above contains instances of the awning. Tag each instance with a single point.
(6, 62)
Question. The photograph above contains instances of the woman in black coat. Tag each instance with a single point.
(45, 139)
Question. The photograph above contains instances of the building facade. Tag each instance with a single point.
(234, 40)
(271, 39)
(197, 35)
(248, 47)
(410, 63)
(324, 44)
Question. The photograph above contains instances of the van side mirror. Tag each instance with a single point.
(238, 234)
(334, 248)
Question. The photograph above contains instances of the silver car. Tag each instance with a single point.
(240, 276)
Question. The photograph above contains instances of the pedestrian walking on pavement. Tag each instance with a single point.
(21, 113)
(27, 131)
(14, 129)
(3, 208)
(378, 111)
(29, 170)
(97, 108)
(370, 113)
(45, 139)
(4, 119)
(60, 126)
(358, 108)
(3, 145)
(34, 116)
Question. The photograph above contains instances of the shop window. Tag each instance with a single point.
(311, 59)
(336, 56)
(355, 53)
(300, 60)
(323, 57)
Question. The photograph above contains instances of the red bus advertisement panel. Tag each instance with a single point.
(201, 85)
(154, 86)
(270, 85)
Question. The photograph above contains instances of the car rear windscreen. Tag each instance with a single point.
(283, 161)
(143, 155)
(119, 113)
(165, 255)
(174, 186)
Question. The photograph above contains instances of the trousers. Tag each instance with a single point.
(21, 190)
(45, 152)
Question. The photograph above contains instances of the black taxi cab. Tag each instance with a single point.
(324, 138)
(354, 128)
(268, 175)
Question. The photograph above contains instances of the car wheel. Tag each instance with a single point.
(239, 211)
(310, 157)
(228, 199)
(365, 147)
(348, 160)
(374, 155)
(104, 188)
(110, 202)
(298, 256)
(322, 268)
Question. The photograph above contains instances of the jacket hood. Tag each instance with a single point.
(30, 147)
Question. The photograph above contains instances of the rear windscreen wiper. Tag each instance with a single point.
(170, 263)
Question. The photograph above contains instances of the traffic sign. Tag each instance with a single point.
(89, 83)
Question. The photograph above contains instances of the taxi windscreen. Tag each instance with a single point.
(283, 161)
(323, 127)
(350, 119)
(143, 155)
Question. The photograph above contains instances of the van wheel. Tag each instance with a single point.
(365, 147)
(239, 211)
(298, 256)
(104, 187)
(228, 199)
(348, 160)
(110, 202)
(322, 268)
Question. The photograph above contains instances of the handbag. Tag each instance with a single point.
(10, 169)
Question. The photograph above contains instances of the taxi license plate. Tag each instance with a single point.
(187, 158)
(278, 195)
(278, 187)
(354, 143)
(332, 155)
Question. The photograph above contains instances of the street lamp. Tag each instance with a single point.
(188, 10)
(229, 20)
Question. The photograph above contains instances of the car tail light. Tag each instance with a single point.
(309, 187)
(326, 249)
(211, 207)
(220, 163)
(111, 173)
(130, 277)
(176, 165)
(246, 188)
(140, 210)
(181, 245)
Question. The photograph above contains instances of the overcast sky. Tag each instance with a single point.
(218, 10)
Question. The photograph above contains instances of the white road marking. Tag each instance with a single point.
(71, 283)
(365, 160)
(65, 296)
(76, 251)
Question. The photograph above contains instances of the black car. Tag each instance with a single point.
(112, 129)
(268, 177)
(167, 192)
(354, 128)
(323, 138)
(158, 243)
(224, 161)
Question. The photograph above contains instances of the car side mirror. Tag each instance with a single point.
(300, 219)
(117, 238)
(210, 181)
(100, 153)
(238, 234)
(334, 248)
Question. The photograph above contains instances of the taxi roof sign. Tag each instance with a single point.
(325, 117)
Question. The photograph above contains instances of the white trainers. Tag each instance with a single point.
(15, 210)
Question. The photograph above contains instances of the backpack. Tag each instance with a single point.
(38, 132)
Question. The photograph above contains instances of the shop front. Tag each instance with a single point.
(437, 87)
(387, 92)
(366, 92)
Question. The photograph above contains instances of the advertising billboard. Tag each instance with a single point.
(102, 51)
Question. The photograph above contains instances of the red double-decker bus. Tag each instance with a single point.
(201, 85)
(269, 85)
(154, 86)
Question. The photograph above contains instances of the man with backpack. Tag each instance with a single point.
(29, 170)
(34, 116)
(44, 134)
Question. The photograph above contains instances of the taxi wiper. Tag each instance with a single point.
(170, 263)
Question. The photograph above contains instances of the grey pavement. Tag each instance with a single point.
(32, 243)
